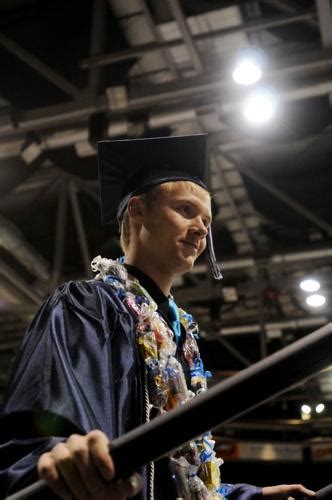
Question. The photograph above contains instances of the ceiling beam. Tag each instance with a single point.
(39, 66)
(251, 27)
(154, 29)
(186, 35)
(81, 232)
(227, 195)
(285, 198)
(60, 234)
(97, 39)
(324, 9)
(289, 7)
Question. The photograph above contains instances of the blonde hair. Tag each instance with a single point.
(149, 198)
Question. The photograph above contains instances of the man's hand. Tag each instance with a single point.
(286, 492)
(82, 468)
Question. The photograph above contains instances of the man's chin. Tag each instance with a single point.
(186, 265)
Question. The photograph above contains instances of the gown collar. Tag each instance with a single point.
(152, 288)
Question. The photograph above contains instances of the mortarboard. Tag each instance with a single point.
(131, 166)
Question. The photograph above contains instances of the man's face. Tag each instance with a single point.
(174, 230)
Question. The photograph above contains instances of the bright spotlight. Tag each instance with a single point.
(247, 72)
(315, 300)
(259, 107)
(320, 408)
(310, 285)
(306, 409)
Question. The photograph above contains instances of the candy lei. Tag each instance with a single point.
(194, 467)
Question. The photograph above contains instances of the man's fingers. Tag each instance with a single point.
(126, 487)
(82, 468)
(47, 470)
(82, 459)
(99, 450)
(68, 470)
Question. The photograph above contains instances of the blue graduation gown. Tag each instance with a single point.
(78, 359)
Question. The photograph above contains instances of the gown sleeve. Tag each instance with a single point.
(81, 339)
(241, 491)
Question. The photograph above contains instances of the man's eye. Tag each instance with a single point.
(185, 209)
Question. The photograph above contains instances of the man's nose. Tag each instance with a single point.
(200, 228)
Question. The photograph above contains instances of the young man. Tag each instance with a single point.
(103, 352)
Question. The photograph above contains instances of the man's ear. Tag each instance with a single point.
(135, 208)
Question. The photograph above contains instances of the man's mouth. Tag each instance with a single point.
(190, 244)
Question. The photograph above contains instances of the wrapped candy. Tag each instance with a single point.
(178, 390)
(179, 470)
(157, 383)
(191, 454)
(195, 467)
(209, 470)
(108, 267)
(190, 350)
(130, 302)
(146, 342)
(210, 474)
(198, 489)
(198, 376)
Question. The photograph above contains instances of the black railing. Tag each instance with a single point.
(222, 403)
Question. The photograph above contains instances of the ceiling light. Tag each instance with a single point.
(305, 412)
(306, 409)
(247, 72)
(260, 107)
(315, 300)
(320, 408)
(310, 285)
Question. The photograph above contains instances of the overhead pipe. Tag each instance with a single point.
(249, 262)
(68, 137)
(293, 324)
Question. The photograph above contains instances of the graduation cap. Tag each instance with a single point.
(132, 166)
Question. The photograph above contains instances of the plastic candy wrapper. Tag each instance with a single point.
(146, 342)
(198, 489)
(198, 383)
(105, 267)
(210, 474)
(178, 391)
(130, 302)
(179, 470)
(190, 350)
(157, 383)
(188, 322)
(205, 447)
(216, 495)
(191, 454)
(148, 311)
(164, 337)
(198, 377)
